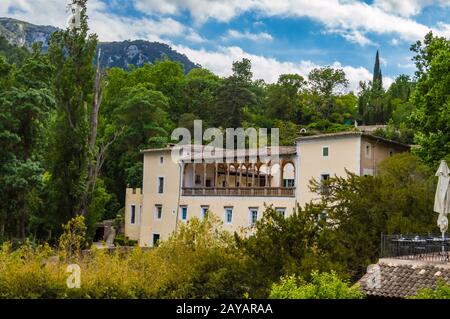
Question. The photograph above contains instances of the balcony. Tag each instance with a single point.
(240, 191)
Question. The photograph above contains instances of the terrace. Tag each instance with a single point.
(419, 248)
(212, 176)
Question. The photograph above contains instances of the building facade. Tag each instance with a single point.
(236, 187)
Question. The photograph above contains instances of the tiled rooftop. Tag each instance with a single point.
(404, 278)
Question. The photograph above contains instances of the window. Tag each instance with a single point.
(158, 213)
(160, 185)
(253, 216)
(204, 212)
(161, 160)
(324, 177)
(281, 211)
(184, 213)
(156, 238)
(198, 179)
(288, 183)
(368, 151)
(325, 151)
(133, 214)
(391, 152)
(229, 215)
(208, 183)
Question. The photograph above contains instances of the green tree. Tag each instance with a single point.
(325, 83)
(283, 101)
(359, 209)
(321, 286)
(431, 117)
(25, 102)
(234, 95)
(71, 52)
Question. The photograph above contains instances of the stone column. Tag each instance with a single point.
(253, 174)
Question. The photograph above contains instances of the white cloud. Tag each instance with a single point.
(108, 26)
(345, 15)
(256, 37)
(354, 36)
(407, 8)
(268, 69)
(395, 42)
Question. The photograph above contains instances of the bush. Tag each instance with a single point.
(442, 291)
(200, 261)
(121, 240)
(322, 286)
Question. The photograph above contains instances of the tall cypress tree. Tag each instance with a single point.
(377, 75)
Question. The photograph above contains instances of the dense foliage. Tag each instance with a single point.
(322, 286)
(442, 291)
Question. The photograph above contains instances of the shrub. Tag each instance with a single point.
(322, 286)
(199, 261)
(442, 291)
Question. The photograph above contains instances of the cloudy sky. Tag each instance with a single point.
(282, 36)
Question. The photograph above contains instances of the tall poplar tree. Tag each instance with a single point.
(72, 53)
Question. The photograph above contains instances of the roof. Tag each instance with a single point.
(199, 151)
(404, 278)
(351, 134)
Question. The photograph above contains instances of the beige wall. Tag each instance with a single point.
(343, 153)
(170, 171)
(133, 197)
(373, 152)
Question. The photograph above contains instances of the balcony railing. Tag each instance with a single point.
(425, 248)
(240, 191)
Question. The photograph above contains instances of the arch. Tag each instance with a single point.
(288, 174)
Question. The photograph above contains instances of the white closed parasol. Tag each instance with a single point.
(442, 198)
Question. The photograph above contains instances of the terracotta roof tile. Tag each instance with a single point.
(401, 279)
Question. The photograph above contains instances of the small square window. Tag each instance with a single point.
(325, 151)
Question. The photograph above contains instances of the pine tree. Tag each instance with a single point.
(377, 75)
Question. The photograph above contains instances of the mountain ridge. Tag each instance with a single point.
(114, 54)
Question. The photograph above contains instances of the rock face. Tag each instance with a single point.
(122, 54)
(114, 54)
(25, 34)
